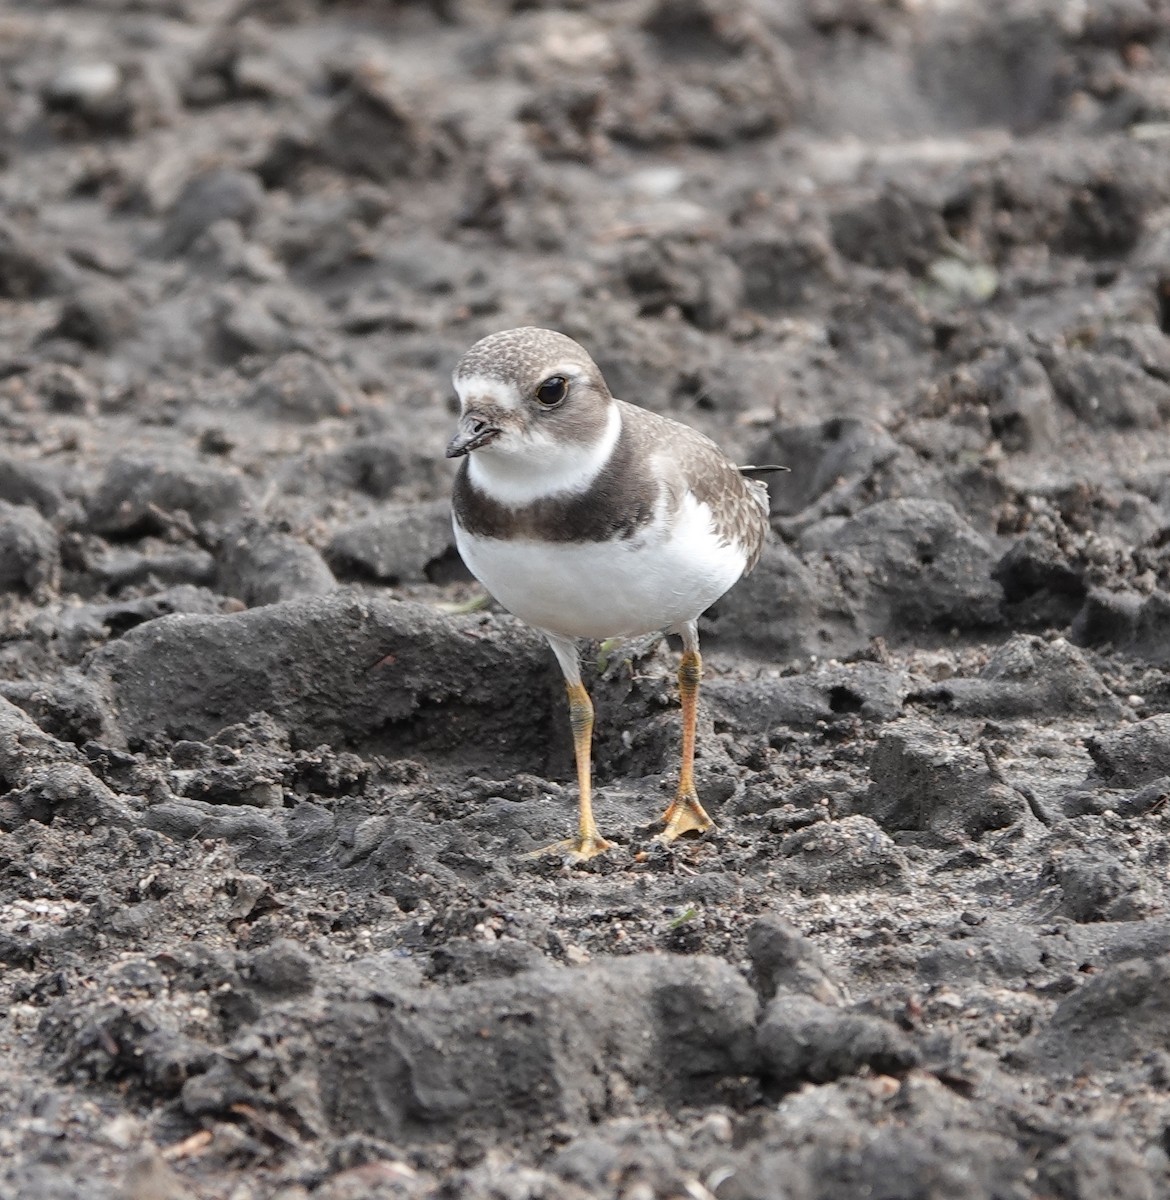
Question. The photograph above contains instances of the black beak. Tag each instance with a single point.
(472, 433)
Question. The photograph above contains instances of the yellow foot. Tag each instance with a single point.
(685, 815)
(575, 849)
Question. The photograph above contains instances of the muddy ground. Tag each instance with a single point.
(268, 773)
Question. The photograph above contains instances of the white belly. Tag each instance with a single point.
(655, 580)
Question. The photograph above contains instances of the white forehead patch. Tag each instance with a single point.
(481, 387)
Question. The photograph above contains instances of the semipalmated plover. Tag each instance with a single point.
(589, 517)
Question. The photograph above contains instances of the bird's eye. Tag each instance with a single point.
(552, 391)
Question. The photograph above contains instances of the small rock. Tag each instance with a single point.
(31, 483)
(1106, 391)
(247, 325)
(63, 389)
(1127, 621)
(827, 462)
(102, 250)
(1112, 1018)
(225, 1083)
(1108, 942)
(1037, 564)
(138, 495)
(282, 968)
(225, 252)
(396, 544)
(300, 387)
(1028, 676)
(68, 708)
(1093, 1163)
(1043, 589)
(255, 783)
(264, 566)
(371, 465)
(1096, 886)
(217, 195)
(46, 778)
(910, 565)
(779, 268)
(418, 1065)
(565, 119)
(465, 960)
(783, 959)
(148, 1177)
(99, 314)
(962, 279)
(377, 132)
(692, 276)
(84, 83)
(923, 779)
(867, 690)
(68, 793)
(196, 967)
(30, 557)
(1135, 754)
(1148, 799)
(704, 79)
(100, 97)
(894, 229)
(801, 1040)
(843, 855)
(131, 568)
(123, 1131)
(28, 268)
(994, 952)
(242, 61)
(1022, 405)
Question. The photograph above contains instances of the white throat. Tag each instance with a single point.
(545, 467)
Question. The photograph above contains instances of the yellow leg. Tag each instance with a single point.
(588, 841)
(686, 814)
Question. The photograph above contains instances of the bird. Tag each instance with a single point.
(589, 517)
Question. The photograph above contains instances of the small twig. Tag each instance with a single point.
(267, 1123)
(995, 770)
(189, 1147)
(178, 523)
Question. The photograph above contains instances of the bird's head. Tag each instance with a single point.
(529, 398)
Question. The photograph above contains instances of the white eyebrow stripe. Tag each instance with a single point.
(506, 393)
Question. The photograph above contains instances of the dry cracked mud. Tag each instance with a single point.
(268, 772)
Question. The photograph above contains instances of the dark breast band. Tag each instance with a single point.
(616, 505)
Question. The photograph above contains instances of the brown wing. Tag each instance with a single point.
(740, 506)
